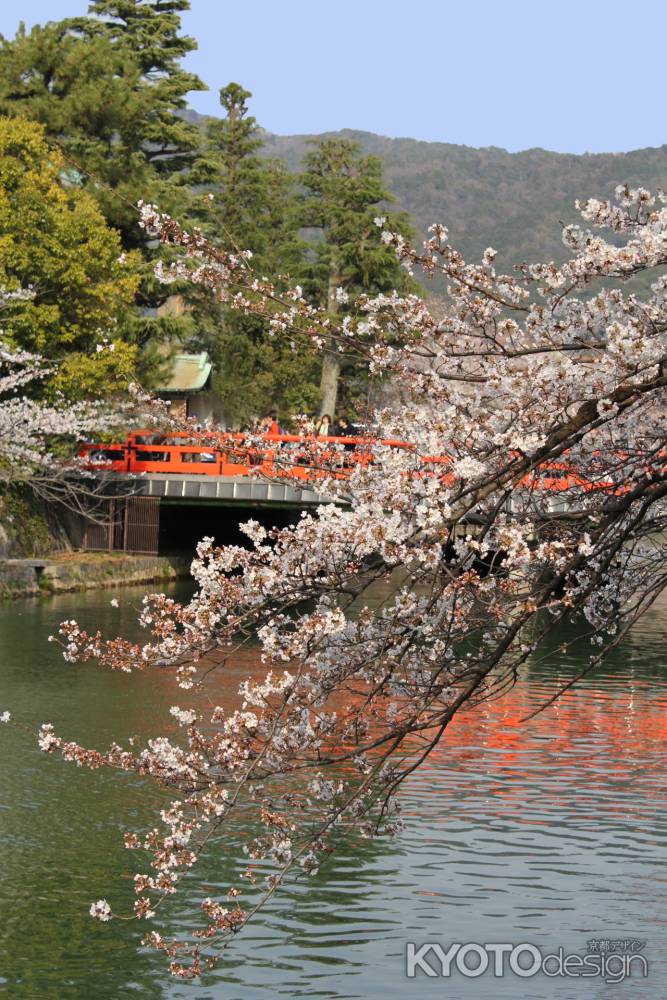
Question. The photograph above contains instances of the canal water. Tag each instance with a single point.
(552, 833)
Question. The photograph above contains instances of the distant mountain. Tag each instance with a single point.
(513, 202)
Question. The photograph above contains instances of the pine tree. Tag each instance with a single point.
(54, 76)
(147, 31)
(247, 203)
(232, 168)
(132, 143)
(343, 195)
(109, 90)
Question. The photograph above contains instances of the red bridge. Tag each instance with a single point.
(231, 456)
(150, 474)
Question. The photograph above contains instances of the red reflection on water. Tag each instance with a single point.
(586, 750)
(608, 732)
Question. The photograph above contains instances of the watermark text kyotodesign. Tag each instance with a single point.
(612, 960)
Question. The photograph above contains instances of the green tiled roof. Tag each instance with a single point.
(189, 373)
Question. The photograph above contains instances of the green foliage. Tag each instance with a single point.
(246, 202)
(343, 195)
(513, 202)
(130, 142)
(22, 516)
(82, 375)
(257, 374)
(54, 240)
(146, 34)
(54, 76)
(233, 172)
(109, 90)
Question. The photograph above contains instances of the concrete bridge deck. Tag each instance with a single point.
(132, 521)
(223, 491)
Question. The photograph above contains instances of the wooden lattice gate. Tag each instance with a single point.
(123, 524)
(141, 524)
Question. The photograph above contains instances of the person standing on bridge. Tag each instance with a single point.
(324, 426)
(269, 424)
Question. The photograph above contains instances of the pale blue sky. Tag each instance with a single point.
(569, 75)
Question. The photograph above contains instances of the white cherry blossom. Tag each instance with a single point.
(514, 479)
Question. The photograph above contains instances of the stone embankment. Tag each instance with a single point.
(85, 571)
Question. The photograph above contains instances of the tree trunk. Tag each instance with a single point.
(329, 383)
(331, 359)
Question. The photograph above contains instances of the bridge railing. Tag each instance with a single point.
(299, 457)
(295, 456)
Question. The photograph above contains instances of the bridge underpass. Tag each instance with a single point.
(169, 513)
(183, 523)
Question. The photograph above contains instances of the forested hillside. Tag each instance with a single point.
(489, 197)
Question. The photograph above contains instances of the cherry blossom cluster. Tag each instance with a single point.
(28, 426)
(32, 431)
(516, 481)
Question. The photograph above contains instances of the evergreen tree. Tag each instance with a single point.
(343, 195)
(248, 204)
(248, 201)
(109, 90)
(232, 167)
(147, 32)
